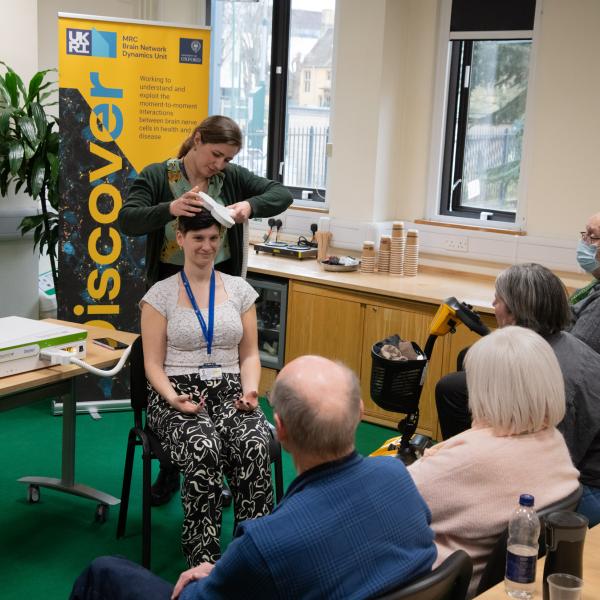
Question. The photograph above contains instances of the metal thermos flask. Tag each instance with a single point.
(565, 534)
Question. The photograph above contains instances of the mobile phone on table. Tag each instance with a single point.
(110, 343)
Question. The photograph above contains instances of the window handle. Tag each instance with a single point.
(281, 167)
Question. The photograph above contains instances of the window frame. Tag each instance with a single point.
(277, 105)
(461, 59)
(440, 125)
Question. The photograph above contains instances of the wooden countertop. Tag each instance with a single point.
(431, 285)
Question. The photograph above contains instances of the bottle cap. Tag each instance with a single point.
(526, 500)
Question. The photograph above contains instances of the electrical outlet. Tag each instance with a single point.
(457, 244)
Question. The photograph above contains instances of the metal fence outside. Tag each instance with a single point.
(305, 156)
(486, 151)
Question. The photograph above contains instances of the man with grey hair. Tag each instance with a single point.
(585, 302)
(348, 527)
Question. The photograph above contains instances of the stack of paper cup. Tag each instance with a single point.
(398, 243)
(323, 240)
(411, 256)
(383, 264)
(367, 260)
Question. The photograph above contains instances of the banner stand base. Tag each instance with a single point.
(93, 407)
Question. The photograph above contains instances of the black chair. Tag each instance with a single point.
(450, 581)
(493, 572)
(141, 435)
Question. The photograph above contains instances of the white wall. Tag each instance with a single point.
(563, 185)
(384, 84)
(18, 291)
(355, 123)
(18, 47)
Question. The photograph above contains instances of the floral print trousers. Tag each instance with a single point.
(218, 440)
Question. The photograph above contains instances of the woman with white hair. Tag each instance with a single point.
(472, 481)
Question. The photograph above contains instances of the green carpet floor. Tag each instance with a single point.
(44, 546)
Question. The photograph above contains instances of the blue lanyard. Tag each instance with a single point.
(207, 331)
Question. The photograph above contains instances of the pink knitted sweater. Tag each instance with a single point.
(472, 483)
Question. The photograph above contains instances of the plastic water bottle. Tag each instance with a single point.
(522, 550)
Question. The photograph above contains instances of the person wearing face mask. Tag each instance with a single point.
(585, 302)
(532, 296)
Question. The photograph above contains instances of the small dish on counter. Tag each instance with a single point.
(340, 263)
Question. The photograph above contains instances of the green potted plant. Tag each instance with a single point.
(29, 152)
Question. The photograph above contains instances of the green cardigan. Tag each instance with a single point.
(146, 209)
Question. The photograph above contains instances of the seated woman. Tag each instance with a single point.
(199, 336)
(530, 295)
(472, 481)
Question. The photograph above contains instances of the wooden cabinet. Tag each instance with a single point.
(267, 378)
(344, 325)
(324, 321)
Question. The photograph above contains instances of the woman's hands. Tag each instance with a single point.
(187, 205)
(240, 211)
(199, 572)
(248, 402)
(185, 403)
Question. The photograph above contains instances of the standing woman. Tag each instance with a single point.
(162, 192)
(201, 359)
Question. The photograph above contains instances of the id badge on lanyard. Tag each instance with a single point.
(207, 371)
(210, 372)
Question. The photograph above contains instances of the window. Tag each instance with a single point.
(307, 81)
(488, 71)
(283, 111)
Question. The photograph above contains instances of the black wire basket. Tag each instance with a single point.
(396, 384)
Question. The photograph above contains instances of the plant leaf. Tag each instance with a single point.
(29, 151)
(29, 130)
(39, 116)
(15, 155)
(28, 223)
(34, 85)
(5, 119)
(53, 161)
(4, 92)
(11, 85)
(21, 87)
(38, 173)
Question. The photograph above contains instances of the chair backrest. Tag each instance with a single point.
(493, 572)
(137, 381)
(450, 581)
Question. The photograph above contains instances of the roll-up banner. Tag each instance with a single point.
(129, 94)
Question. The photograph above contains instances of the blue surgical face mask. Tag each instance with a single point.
(586, 257)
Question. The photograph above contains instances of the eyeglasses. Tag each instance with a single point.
(586, 237)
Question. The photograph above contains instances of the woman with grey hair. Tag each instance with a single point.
(472, 481)
(532, 296)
